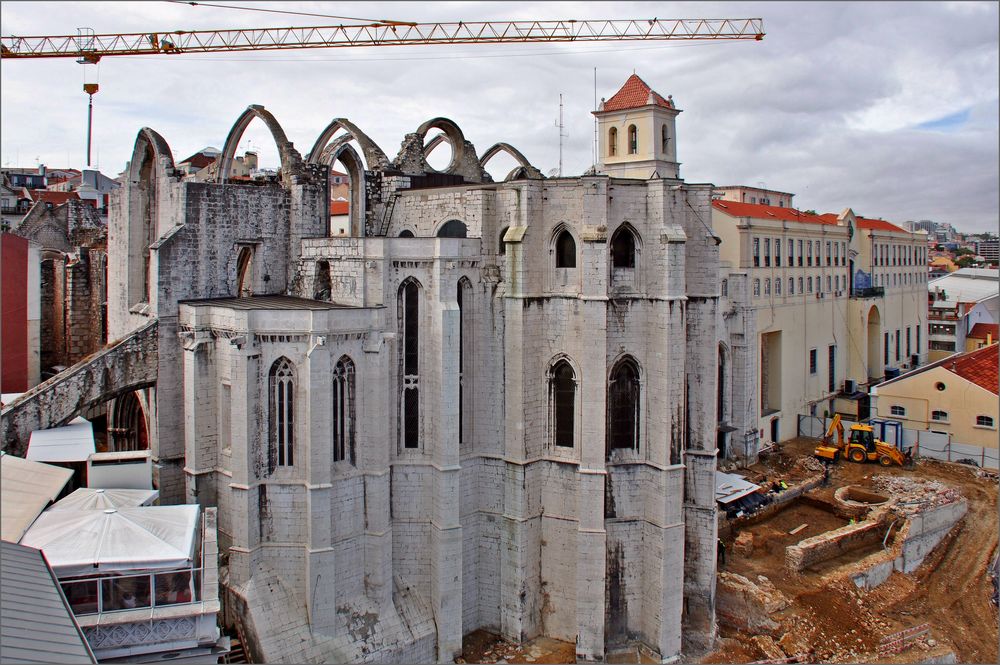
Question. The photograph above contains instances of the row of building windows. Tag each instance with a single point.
(831, 360)
(899, 346)
(281, 410)
(836, 253)
(805, 285)
(899, 279)
(886, 254)
(941, 416)
(623, 248)
(633, 140)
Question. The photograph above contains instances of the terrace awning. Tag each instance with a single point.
(88, 542)
(729, 487)
(71, 443)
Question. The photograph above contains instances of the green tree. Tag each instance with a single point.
(966, 261)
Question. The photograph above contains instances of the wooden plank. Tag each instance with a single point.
(797, 529)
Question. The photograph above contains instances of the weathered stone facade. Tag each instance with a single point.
(73, 238)
(492, 407)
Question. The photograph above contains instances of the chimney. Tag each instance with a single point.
(251, 161)
(41, 169)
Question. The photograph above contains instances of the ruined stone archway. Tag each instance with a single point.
(525, 168)
(151, 166)
(291, 160)
(341, 150)
(374, 157)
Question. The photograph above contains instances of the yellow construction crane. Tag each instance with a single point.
(90, 47)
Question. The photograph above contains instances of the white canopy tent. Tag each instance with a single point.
(77, 543)
(71, 443)
(25, 489)
(89, 498)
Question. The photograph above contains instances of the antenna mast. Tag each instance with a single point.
(561, 134)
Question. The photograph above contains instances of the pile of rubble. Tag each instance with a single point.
(915, 494)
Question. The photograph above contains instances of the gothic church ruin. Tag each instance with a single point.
(491, 405)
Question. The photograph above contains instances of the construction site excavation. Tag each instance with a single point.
(858, 562)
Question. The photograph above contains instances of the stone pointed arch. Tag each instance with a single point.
(291, 160)
(341, 149)
(149, 143)
(374, 157)
(525, 169)
(151, 168)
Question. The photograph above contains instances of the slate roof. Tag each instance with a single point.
(36, 623)
(979, 367)
(634, 94)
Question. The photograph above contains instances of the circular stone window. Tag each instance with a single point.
(939, 385)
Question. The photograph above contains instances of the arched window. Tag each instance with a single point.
(321, 285)
(501, 245)
(409, 324)
(777, 286)
(940, 416)
(623, 248)
(984, 421)
(633, 140)
(801, 290)
(623, 406)
(406, 233)
(612, 141)
(809, 284)
(453, 229)
(282, 410)
(791, 286)
(767, 287)
(565, 250)
(562, 397)
(664, 139)
(244, 273)
(343, 410)
(897, 410)
(756, 288)
(724, 289)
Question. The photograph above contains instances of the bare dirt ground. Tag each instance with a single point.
(833, 620)
(481, 646)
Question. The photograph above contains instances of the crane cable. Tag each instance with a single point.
(285, 11)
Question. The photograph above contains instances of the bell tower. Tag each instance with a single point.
(637, 133)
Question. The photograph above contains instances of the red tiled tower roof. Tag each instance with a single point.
(979, 367)
(634, 94)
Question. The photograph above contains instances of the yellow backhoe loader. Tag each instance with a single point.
(860, 446)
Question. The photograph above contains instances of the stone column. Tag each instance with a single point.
(445, 528)
(200, 418)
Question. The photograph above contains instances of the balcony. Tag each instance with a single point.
(869, 292)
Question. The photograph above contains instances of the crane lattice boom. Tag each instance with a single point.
(91, 47)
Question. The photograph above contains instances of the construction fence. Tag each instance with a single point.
(923, 443)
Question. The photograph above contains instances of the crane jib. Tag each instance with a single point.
(91, 47)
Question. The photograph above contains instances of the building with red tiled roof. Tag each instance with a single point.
(51, 197)
(638, 133)
(815, 295)
(982, 334)
(956, 396)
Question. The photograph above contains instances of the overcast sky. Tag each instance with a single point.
(888, 108)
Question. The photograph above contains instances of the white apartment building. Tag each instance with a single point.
(815, 309)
